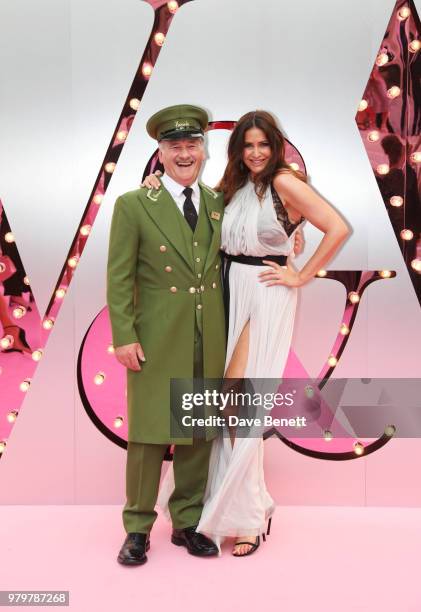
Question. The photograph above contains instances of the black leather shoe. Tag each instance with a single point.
(196, 543)
(134, 549)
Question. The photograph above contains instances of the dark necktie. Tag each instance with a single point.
(190, 213)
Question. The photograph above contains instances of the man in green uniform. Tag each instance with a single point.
(166, 307)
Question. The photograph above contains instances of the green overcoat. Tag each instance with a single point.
(163, 285)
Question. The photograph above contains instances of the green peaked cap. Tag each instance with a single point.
(181, 121)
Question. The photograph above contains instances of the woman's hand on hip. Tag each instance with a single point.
(280, 275)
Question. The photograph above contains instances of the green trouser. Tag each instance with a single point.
(143, 472)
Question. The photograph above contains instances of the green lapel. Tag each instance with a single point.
(210, 197)
(164, 212)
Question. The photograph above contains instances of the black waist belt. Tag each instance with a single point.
(243, 259)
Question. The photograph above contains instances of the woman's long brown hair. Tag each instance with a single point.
(236, 173)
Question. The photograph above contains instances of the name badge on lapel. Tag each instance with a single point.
(215, 215)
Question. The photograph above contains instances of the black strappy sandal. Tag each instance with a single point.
(253, 548)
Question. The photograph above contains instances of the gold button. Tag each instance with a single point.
(173, 289)
(202, 288)
(197, 259)
(199, 275)
(168, 269)
(199, 307)
(213, 285)
(195, 243)
(192, 290)
(162, 248)
(217, 266)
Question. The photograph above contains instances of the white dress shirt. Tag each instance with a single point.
(176, 191)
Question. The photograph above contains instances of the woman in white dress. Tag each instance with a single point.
(266, 202)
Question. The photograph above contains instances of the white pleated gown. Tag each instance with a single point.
(236, 501)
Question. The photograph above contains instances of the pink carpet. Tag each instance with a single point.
(323, 559)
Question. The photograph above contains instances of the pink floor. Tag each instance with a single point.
(327, 559)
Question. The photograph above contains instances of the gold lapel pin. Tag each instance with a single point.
(215, 215)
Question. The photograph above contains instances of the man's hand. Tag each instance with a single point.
(298, 241)
(129, 355)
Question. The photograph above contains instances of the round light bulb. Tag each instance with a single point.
(2, 445)
(344, 329)
(373, 136)
(321, 273)
(60, 293)
(147, 70)
(19, 312)
(385, 273)
(328, 435)
(73, 261)
(416, 265)
(172, 6)
(353, 297)
(99, 378)
(358, 448)
(390, 430)
(12, 416)
(393, 92)
(396, 201)
(407, 234)
(416, 157)
(414, 46)
(404, 13)
(383, 169)
(294, 166)
(332, 361)
(24, 385)
(118, 421)
(110, 349)
(362, 105)
(6, 342)
(9, 237)
(48, 324)
(134, 103)
(98, 197)
(122, 135)
(26, 280)
(37, 355)
(109, 167)
(382, 59)
(159, 39)
(85, 230)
